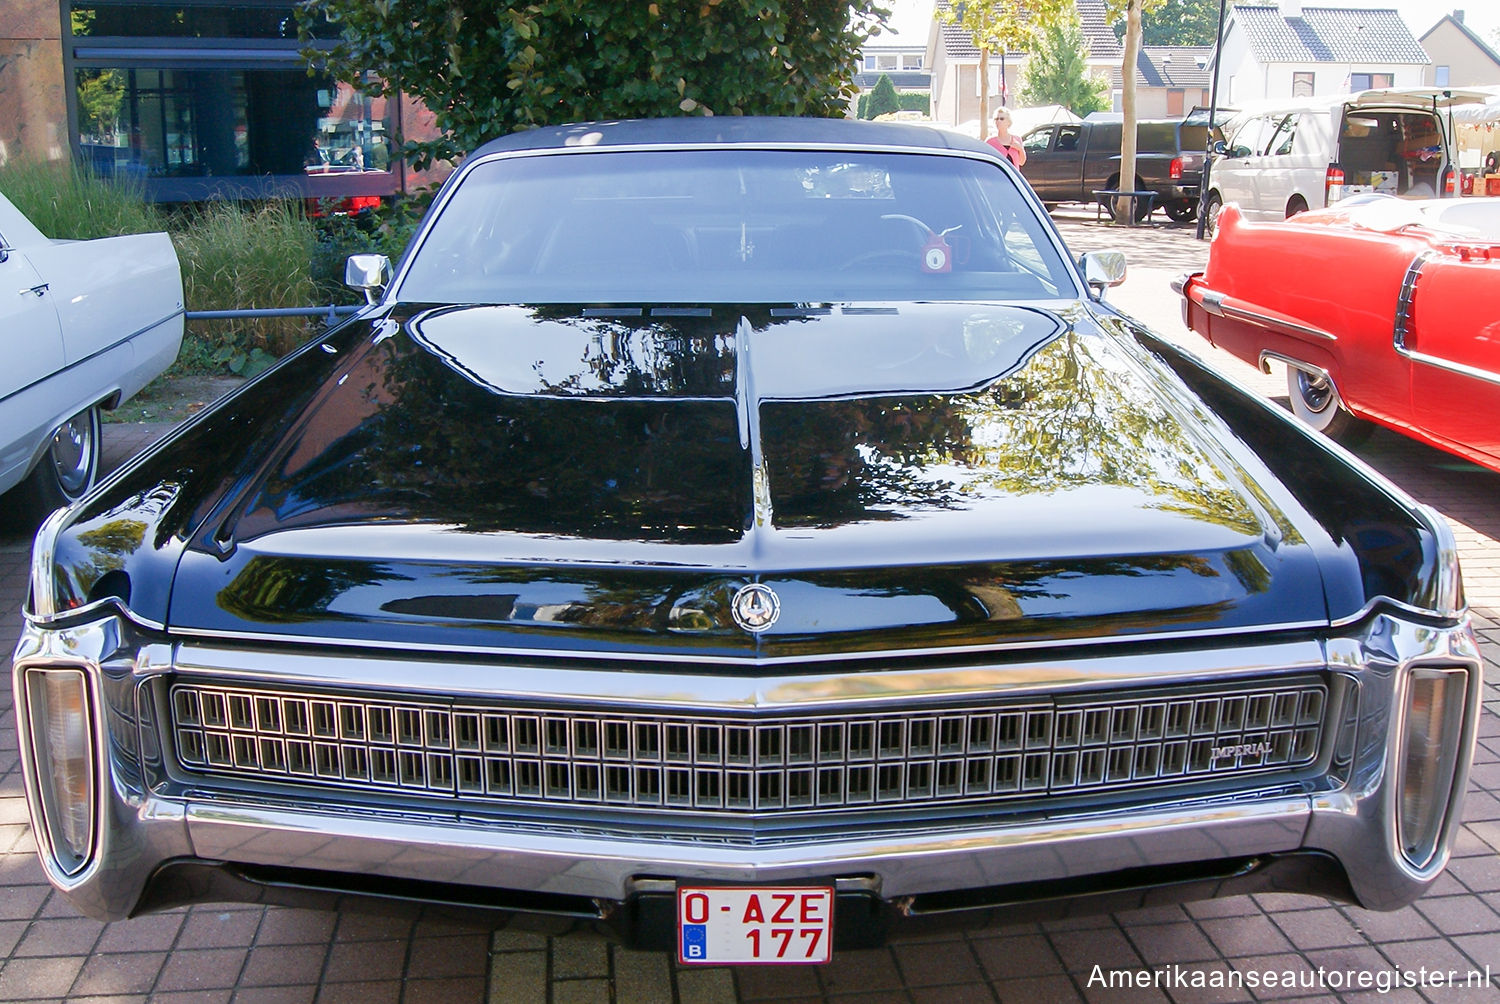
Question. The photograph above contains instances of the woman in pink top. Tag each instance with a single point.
(1008, 145)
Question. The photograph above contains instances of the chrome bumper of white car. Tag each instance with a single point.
(146, 810)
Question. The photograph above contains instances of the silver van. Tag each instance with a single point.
(1285, 157)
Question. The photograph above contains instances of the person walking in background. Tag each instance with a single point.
(1008, 145)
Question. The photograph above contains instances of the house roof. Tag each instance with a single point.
(959, 44)
(1170, 66)
(1468, 33)
(1096, 29)
(1328, 35)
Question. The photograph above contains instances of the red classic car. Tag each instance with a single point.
(1382, 309)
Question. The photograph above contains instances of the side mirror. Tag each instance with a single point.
(1220, 148)
(369, 273)
(1102, 269)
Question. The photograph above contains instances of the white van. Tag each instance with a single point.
(1304, 153)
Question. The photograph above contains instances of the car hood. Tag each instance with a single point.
(608, 477)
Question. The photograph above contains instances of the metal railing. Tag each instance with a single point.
(330, 313)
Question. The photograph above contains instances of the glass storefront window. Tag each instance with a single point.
(174, 123)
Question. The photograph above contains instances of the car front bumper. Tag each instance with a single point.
(153, 824)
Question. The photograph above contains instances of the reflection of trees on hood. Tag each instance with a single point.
(406, 438)
(282, 590)
(1090, 418)
(1074, 416)
(446, 450)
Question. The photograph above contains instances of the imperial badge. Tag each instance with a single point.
(755, 607)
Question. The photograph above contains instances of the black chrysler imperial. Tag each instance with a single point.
(759, 538)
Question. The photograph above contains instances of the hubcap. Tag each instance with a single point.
(72, 454)
(1316, 392)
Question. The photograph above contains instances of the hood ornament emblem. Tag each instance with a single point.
(755, 607)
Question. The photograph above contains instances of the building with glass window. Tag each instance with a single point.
(196, 99)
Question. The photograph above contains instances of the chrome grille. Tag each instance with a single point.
(728, 764)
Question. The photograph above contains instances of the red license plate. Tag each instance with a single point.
(748, 925)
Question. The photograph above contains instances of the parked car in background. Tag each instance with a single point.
(1286, 157)
(1068, 162)
(1401, 333)
(756, 537)
(83, 325)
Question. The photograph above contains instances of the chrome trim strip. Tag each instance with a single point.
(717, 692)
(1406, 296)
(1214, 303)
(179, 312)
(1437, 362)
(906, 864)
(1266, 355)
(748, 660)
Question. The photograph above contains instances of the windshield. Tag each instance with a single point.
(740, 226)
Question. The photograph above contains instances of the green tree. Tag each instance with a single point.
(101, 95)
(487, 69)
(883, 98)
(1182, 22)
(1000, 25)
(1057, 72)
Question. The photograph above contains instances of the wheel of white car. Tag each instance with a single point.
(1211, 214)
(69, 466)
(1315, 400)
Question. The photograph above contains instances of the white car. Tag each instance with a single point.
(1287, 156)
(84, 325)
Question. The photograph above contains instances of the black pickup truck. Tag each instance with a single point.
(1069, 162)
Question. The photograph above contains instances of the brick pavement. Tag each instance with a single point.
(397, 953)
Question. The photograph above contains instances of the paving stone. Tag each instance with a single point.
(941, 964)
(1159, 945)
(1020, 957)
(704, 986)
(573, 958)
(1397, 925)
(642, 976)
(132, 973)
(283, 965)
(364, 961)
(38, 979)
(589, 991)
(1081, 951)
(1455, 915)
(154, 932)
(445, 991)
(1244, 936)
(367, 992)
(282, 926)
(276, 995)
(518, 978)
(219, 929)
(1037, 990)
(1325, 928)
(776, 982)
(202, 969)
(452, 957)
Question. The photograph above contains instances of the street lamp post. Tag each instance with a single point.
(1208, 144)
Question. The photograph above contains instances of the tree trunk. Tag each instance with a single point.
(984, 93)
(1125, 208)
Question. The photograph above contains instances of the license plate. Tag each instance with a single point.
(754, 924)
